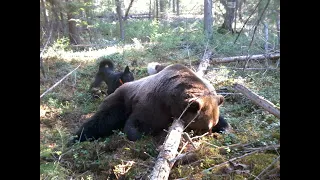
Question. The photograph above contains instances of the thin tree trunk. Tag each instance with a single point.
(235, 17)
(178, 7)
(278, 28)
(43, 8)
(208, 19)
(157, 9)
(127, 12)
(42, 68)
(163, 9)
(63, 25)
(72, 26)
(230, 6)
(150, 8)
(166, 157)
(258, 100)
(173, 6)
(120, 17)
(266, 37)
(239, 6)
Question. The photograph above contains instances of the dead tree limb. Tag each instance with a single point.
(204, 63)
(271, 147)
(259, 100)
(127, 11)
(274, 161)
(164, 163)
(239, 157)
(273, 56)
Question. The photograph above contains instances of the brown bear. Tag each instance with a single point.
(150, 104)
(223, 125)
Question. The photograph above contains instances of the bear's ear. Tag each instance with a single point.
(126, 70)
(196, 104)
(220, 99)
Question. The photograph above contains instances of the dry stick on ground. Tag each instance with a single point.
(259, 100)
(268, 167)
(271, 147)
(58, 82)
(164, 164)
(273, 56)
(165, 159)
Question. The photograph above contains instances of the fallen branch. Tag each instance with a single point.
(164, 161)
(273, 56)
(244, 68)
(204, 63)
(236, 158)
(58, 82)
(259, 100)
(185, 158)
(268, 167)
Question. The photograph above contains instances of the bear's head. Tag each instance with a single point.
(205, 109)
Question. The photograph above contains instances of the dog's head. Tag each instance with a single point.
(126, 76)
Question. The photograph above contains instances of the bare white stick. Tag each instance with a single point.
(272, 56)
(268, 167)
(58, 82)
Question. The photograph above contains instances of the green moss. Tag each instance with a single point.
(258, 162)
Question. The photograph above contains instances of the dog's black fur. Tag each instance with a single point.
(110, 77)
(222, 126)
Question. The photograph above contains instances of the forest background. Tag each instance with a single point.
(136, 32)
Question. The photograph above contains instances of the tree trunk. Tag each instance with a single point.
(42, 68)
(54, 8)
(239, 8)
(63, 25)
(156, 9)
(43, 9)
(72, 26)
(120, 16)
(163, 9)
(208, 19)
(273, 56)
(173, 6)
(150, 8)
(230, 6)
(278, 29)
(178, 7)
(258, 100)
(166, 157)
(266, 37)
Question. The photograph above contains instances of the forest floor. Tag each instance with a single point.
(255, 137)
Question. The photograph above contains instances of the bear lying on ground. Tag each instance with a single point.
(150, 104)
(223, 125)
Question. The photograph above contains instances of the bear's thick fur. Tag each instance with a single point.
(223, 125)
(150, 104)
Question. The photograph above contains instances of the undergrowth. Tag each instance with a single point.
(69, 104)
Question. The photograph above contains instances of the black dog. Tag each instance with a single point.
(111, 78)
